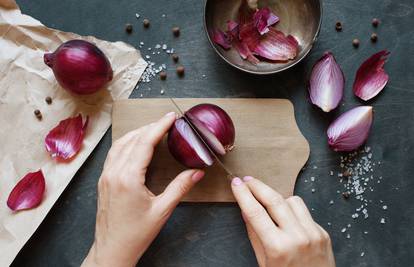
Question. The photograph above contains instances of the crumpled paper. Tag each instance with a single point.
(25, 82)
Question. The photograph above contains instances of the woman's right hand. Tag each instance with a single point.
(281, 231)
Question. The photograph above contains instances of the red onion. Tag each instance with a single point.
(80, 67)
(350, 130)
(327, 82)
(213, 124)
(371, 77)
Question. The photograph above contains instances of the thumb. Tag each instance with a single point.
(180, 186)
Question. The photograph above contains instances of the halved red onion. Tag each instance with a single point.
(221, 38)
(80, 67)
(326, 85)
(186, 147)
(65, 140)
(263, 19)
(350, 130)
(371, 77)
(214, 125)
(276, 46)
(28, 192)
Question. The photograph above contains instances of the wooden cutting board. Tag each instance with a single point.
(268, 146)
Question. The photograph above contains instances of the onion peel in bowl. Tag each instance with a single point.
(28, 192)
(253, 36)
(350, 130)
(276, 46)
(371, 77)
(221, 38)
(327, 82)
(65, 140)
(263, 19)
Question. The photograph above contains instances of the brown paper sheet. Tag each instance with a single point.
(25, 81)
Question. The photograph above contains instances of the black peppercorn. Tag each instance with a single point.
(175, 57)
(128, 28)
(163, 75)
(180, 71)
(338, 26)
(345, 195)
(48, 100)
(355, 43)
(176, 31)
(146, 23)
(38, 114)
(374, 37)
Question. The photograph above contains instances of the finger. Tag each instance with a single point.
(304, 217)
(178, 188)
(274, 202)
(254, 213)
(256, 244)
(159, 129)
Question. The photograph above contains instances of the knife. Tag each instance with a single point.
(229, 173)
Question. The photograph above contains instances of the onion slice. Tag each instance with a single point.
(186, 147)
(28, 192)
(371, 77)
(65, 140)
(276, 46)
(326, 85)
(263, 19)
(350, 130)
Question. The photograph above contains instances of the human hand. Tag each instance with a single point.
(129, 216)
(281, 231)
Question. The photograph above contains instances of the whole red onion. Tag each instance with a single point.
(213, 124)
(80, 67)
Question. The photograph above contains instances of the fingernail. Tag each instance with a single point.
(236, 181)
(197, 176)
(170, 114)
(247, 178)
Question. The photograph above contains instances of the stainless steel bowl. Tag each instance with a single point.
(300, 18)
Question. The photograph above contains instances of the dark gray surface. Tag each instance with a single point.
(214, 235)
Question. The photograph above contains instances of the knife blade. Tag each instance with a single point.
(229, 173)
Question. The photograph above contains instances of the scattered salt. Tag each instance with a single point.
(382, 221)
(362, 254)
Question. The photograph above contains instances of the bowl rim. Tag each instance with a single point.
(315, 38)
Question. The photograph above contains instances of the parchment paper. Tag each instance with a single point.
(25, 81)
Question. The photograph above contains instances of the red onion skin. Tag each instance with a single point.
(181, 150)
(80, 67)
(217, 121)
(28, 192)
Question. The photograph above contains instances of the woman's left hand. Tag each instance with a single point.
(129, 215)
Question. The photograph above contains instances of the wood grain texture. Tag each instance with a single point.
(268, 144)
